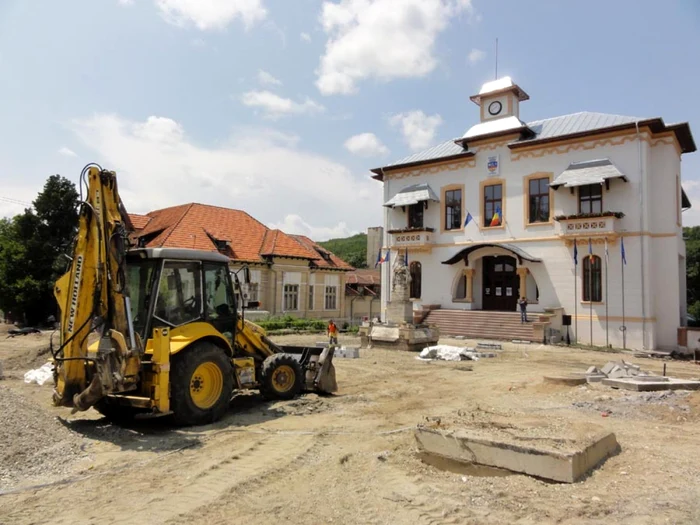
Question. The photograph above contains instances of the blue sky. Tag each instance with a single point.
(281, 107)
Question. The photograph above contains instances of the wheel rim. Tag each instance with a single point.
(283, 378)
(206, 385)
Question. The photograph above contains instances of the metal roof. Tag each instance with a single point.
(576, 123)
(446, 149)
(550, 129)
(494, 126)
(512, 248)
(587, 172)
(412, 195)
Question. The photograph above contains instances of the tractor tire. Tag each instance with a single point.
(282, 377)
(201, 384)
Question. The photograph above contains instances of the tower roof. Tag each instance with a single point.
(496, 87)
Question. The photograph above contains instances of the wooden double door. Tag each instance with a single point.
(501, 283)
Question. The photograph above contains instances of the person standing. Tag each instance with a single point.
(333, 332)
(523, 310)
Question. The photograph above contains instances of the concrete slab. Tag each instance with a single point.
(545, 450)
(570, 380)
(347, 352)
(648, 384)
(595, 378)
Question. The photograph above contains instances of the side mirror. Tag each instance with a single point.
(246, 275)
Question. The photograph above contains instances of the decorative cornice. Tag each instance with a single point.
(575, 146)
(431, 170)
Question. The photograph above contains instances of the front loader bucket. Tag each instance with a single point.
(325, 377)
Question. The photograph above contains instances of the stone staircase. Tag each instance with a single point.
(479, 324)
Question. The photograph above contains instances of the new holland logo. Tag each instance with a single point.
(492, 164)
(75, 292)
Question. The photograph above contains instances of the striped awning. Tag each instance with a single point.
(412, 195)
(587, 172)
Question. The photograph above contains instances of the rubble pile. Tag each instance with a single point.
(451, 353)
(615, 370)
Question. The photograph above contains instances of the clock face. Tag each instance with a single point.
(495, 108)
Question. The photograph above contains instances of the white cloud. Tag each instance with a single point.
(67, 152)
(418, 129)
(275, 106)
(475, 56)
(691, 217)
(382, 39)
(16, 198)
(366, 145)
(211, 14)
(306, 37)
(266, 78)
(264, 172)
(126, 2)
(297, 226)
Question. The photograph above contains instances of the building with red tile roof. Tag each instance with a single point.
(290, 274)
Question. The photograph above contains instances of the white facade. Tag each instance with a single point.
(650, 198)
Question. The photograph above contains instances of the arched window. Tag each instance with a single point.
(461, 291)
(415, 270)
(592, 279)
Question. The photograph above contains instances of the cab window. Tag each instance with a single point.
(219, 302)
(179, 293)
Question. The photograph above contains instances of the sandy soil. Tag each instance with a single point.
(351, 458)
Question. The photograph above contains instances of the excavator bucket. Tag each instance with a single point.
(325, 377)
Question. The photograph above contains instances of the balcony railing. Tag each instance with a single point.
(585, 226)
(412, 237)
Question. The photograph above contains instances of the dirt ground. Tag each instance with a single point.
(350, 458)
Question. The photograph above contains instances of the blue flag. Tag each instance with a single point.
(622, 250)
(575, 253)
(379, 258)
(468, 219)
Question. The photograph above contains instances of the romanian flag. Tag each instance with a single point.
(496, 219)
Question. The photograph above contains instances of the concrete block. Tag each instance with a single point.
(651, 383)
(571, 380)
(347, 352)
(492, 346)
(592, 370)
(563, 458)
(608, 367)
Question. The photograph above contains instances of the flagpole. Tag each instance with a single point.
(622, 266)
(607, 336)
(575, 293)
(590, 289)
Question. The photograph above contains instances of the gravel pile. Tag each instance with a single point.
(34, 447)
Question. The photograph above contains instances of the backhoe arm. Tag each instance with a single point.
(93, 294)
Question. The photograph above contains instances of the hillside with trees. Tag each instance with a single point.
(352, 250)
(692, 265)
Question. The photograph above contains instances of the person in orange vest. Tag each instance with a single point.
(333, 332)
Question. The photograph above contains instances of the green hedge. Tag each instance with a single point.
(291, 323)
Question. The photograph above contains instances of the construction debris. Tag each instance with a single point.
(347, 352)
(452, 353)
(492, 346)
(651, 383)
(39, 375)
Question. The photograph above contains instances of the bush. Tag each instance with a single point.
(292, 323)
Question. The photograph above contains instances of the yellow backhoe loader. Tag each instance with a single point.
(172, 334)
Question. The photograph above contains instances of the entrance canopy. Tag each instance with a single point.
(412, 195)
(587, 172)
(515, 250)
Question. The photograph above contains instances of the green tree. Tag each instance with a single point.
(692, 265)
(31, 248)
(353, 250)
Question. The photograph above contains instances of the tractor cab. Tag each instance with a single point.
(170, 287)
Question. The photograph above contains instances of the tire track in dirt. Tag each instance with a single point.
(286, 453)
(220, 477)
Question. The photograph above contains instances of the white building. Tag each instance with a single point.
(555, 183)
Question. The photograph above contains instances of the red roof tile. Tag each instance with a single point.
(199, 226)
(366, 277)
(139, 222)
(325, 259)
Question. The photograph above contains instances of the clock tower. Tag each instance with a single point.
(499, 99)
